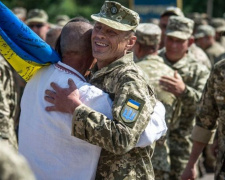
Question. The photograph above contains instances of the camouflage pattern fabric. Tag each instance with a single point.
(12, 165)
(114, 15)
(194, 76)
(119, 159)
(204, 30)
(214, 52)
(37, 15)
(8, 100)
(154, 67)
(211, 116)
(180, 27)
(148, 34)
(199, 55)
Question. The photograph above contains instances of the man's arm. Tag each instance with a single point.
(117, 135)
(206, 123)
(190, 170)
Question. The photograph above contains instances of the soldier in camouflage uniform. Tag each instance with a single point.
(116, 73)
(187, 89)
(146, 49)
(164, 18)
(219, 25)
(8, 100)
(194, 50)
(205, 39)
(199, 55)
(12, 165)
(210, 117)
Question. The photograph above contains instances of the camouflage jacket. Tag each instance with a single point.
(8, 99)
(194, 76)
(154, 67)
(211, 115)
(133, 102)
(199, 55)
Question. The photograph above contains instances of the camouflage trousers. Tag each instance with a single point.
(180, 149)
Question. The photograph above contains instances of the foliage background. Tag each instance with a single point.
(87, 7)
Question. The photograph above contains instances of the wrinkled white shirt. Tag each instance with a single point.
(45, 137)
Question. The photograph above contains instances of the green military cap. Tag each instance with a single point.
(204, 30)
(171, 10)
(180, 27)
(148, 34)
(218, 24)
(37, 15)
(114, 15)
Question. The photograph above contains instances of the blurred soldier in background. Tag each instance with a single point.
(163, 21)
(197, 52)
(146, 49)
(187, 89)
(61, 20)
(210, 118)
(219, 25)
(20, 12)
(205, 39)
(37, 20)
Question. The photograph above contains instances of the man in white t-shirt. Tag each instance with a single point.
(44, 137)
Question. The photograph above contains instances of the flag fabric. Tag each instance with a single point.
(21, 47)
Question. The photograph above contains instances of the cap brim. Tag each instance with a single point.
(179, 34)
(111, 23)
(38, 20)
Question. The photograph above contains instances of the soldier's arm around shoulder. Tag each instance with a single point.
(132, 107)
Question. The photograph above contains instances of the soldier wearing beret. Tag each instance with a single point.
(146, 49)
(113, 37)
(187, 89)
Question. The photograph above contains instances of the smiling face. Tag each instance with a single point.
(109, 44)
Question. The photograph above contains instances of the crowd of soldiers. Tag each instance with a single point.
(178, 55)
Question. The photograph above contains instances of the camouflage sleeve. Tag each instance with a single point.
(7, 103)
(133, 104)
(206, 122)
(193, 90)
(191, 97)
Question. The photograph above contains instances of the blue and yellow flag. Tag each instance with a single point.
(21, 47)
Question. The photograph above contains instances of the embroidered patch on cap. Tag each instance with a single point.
(114, 10)
(130, 111)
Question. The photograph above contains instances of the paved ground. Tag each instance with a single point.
(207, 177)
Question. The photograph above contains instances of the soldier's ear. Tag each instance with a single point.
(191, 40)
(131, 42)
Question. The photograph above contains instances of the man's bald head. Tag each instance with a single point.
(76, 36)
(74, 44)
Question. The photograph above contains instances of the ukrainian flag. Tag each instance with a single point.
(21, 47)
(133, 104)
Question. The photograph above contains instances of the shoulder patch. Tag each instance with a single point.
(131, 110)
